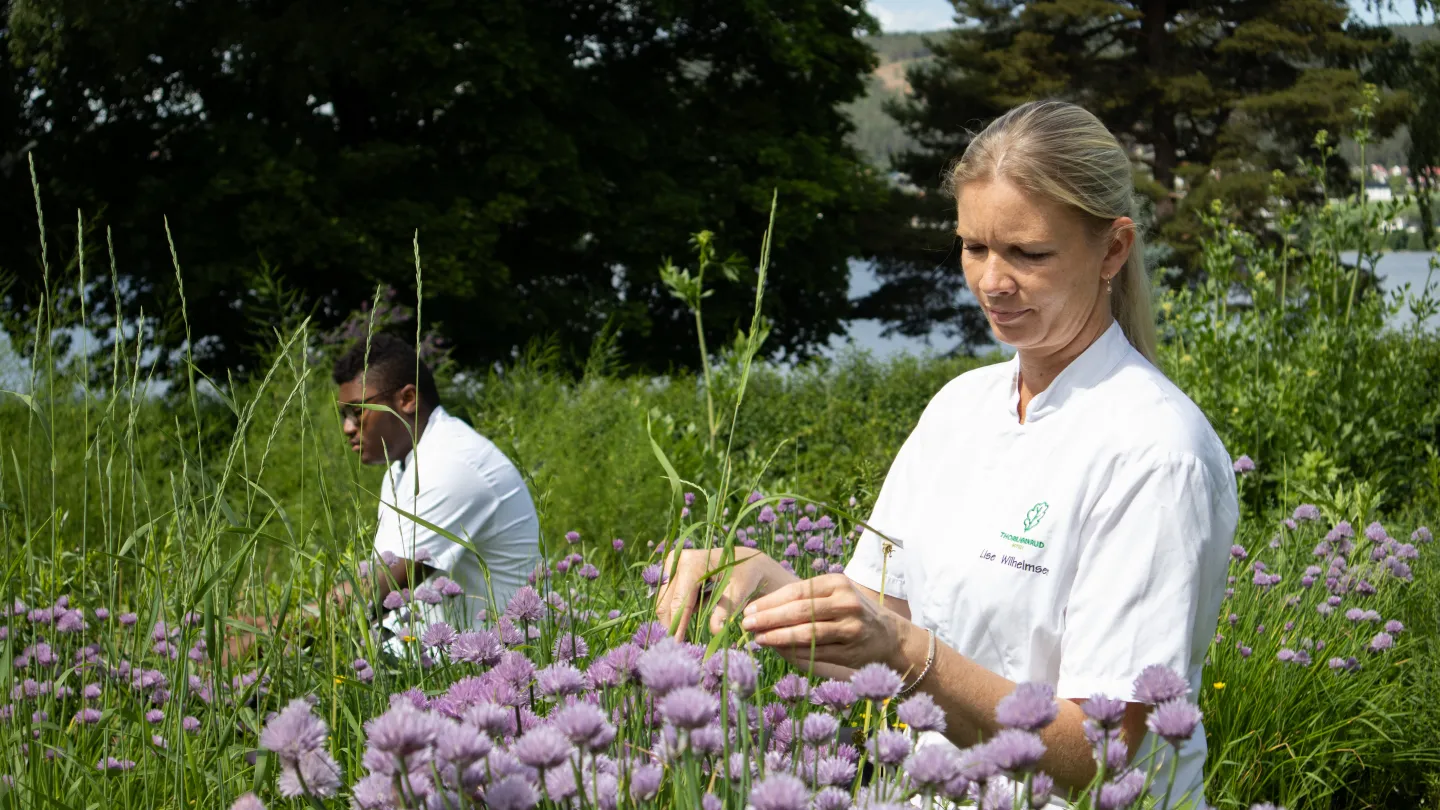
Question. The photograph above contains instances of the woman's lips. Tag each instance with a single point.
(1007, 316)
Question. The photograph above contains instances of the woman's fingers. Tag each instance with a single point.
(815, 588)
(805, 658)
(842, 631)
(737, 592)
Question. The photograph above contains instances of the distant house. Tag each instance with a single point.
(1379, 192)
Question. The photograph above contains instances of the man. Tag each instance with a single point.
(449, 476)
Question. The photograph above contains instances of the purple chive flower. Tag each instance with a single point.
(649, 634)
(835, 695)
(875, 682)
(560, 679)
(113, 764)
(317, 774)
(154, 716)
(653, 575)
(666, 667)
(832, 772)
(1421, 535)
(1107, 712)
(90, 691)
(1376, 533)
(832, 798)
(525, 605)
(1394, 627)
(572, 537)
(72, 622)
(931, 767)
(921, 713)
(780, 791)
(1030, 707)
(511, 792)
(1381, 642)
(1238, 552)
(402, 731)
(249, 801)
(689, 707)
(1244, 465)
(819, 728)
(191, 724)
(889, 747)
(477, 647)
(1015, 751)
(428, 595)
(569, 647)
(87, 717)
(1157, 684)
(1121, 791)
(461, 745)
(791, 688)
(439, 635)
(1175, 720)
(1306, 511)
(542, 747)
(584, 724)
(645, 782)
(293, 732)
(392, 600)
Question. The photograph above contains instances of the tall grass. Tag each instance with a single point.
(224, 498)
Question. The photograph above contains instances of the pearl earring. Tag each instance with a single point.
(1108, 289)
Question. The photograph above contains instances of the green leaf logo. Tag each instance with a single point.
(1036, 513)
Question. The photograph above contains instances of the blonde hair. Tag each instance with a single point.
(1062, 151)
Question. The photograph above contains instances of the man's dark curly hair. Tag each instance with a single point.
(393, 364)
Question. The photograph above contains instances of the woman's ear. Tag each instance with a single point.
(1117, 252)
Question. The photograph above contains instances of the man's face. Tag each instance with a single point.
(379, 437)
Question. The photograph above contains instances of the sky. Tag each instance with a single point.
(930, 15)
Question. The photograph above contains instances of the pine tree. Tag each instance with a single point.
(1209, 96)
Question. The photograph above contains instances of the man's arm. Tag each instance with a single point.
(397, 576)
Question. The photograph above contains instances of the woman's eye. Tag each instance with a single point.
(1025, 254)
(974, 249)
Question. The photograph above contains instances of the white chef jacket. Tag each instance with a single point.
(470, 489)
(1074, 549)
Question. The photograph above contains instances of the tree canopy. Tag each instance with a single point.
(1211, 97)
(549, 153)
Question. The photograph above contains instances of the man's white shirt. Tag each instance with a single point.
(469, 488)
(1074, 549)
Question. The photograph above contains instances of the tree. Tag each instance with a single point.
(549, 153)
(1209, 96)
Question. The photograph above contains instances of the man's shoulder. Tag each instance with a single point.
(461, 449)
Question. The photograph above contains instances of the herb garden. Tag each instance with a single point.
(143, 522)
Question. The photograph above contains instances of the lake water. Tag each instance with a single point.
(1396, 270)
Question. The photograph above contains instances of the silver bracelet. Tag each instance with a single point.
(929, 661)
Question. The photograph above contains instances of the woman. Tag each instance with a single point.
(1065, 517)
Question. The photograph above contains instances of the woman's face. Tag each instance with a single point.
(1037, 267)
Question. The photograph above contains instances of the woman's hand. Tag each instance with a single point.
(847, 627)
(755, 575)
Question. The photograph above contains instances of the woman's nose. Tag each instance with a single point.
(996, 280)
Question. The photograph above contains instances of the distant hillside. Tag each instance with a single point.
(878, 137)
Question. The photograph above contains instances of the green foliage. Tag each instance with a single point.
(1288, 349)
(1211, 96)
(546, 152)
(1314, 736)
